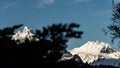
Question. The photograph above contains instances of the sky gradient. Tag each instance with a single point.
(92, 15)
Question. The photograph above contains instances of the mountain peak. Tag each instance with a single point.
(26, 29)
(96, 47)
(100, 52)
(26, 34)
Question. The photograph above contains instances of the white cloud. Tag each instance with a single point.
(48, 1)
(82, 1)
(44, 3)
(4, 6)
(71, 2)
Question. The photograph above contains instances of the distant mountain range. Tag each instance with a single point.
(98, 53)
(94, 53)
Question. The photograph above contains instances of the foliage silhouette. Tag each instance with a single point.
(7, 32)
(114, 28)
(57, 36)
(6, 45)
(46, 51)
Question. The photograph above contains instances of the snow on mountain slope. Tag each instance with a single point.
(26, 34)
(98, 53)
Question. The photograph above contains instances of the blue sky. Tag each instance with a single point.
(92, 15)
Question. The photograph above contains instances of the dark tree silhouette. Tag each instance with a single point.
(44, 52)
(55, 37)
(114, 28)
(8, 32)
(6, 45)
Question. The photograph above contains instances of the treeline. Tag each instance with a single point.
(43, 53)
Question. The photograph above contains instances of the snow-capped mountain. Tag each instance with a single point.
(93, 53)
(98, 53)
(26, 34)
